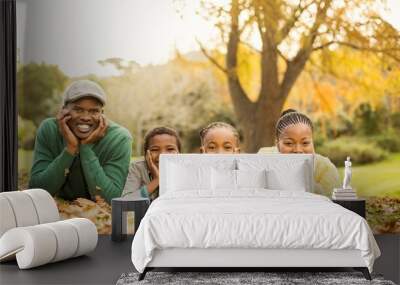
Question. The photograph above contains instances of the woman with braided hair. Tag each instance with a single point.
(294, 134)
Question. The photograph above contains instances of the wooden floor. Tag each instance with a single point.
(111, 259)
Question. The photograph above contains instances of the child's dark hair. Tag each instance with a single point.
(161, 131)
(215, 125)
(291, 117)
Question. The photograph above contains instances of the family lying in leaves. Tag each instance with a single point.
(83, 159)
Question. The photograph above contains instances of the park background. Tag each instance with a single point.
(187, 63)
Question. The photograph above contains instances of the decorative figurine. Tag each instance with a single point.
(347, 174)
(346, 192)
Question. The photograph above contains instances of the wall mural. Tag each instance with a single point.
(187, 64)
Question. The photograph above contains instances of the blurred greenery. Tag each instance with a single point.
(368, 121)
(390, 140)
(360, 150)
(39, 88)
(187, 95)
(25, 158)
(26, 133)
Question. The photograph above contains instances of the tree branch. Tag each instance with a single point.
(260, 25)
(386, 51)
(291, 22)
(296, 65)
(251, 47)
(282, 55)
(259, 51)
(248, 22)
(324, 45)
(239, 97)
(211, 58)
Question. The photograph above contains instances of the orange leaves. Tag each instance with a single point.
(338, 81)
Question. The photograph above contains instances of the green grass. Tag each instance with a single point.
(378, 179)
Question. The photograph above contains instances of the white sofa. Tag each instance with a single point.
(31, 231)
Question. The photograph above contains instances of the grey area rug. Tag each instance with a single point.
(273, 278)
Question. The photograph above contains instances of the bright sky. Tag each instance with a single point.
(75, 34)
(393, 14)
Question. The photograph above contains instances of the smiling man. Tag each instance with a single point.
(81, 154)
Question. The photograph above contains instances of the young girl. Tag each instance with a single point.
(143, 176)
(219, 137)
(294, 134)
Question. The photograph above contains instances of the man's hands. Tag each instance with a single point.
(151, 165)
(98, 133)
(72, 141)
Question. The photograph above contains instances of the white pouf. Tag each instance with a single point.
(31, 233)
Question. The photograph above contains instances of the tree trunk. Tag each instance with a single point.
(257, 120)
(257, 123)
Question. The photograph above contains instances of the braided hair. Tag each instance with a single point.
(215, 125)
(291, 117)
(161, 131)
